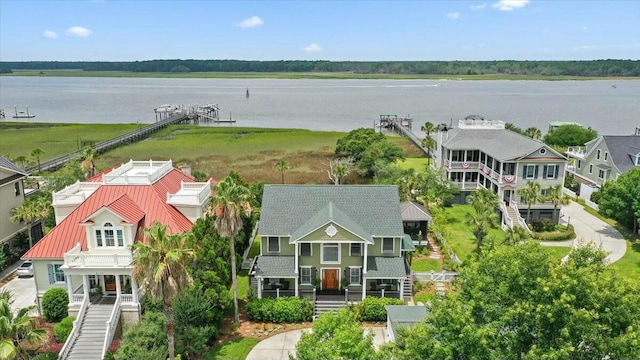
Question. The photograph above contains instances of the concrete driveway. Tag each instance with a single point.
(24, 292)
(591, 229)
(278, 347)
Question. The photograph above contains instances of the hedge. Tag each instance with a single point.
(556, 235)
(62, 329)
(372, 308)
(280, 310)
(55, 305)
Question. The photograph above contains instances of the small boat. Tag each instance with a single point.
(247, 93)
(22, 114)
(613, 86)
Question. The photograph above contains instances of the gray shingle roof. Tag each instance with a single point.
(275, 266)
(368, 210)
(502, 144)
(385, 267)
(407, 243)
(406, 314)
(5, 163)
(621, 148)
(410, 211)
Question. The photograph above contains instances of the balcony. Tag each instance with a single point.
(577, 152)
(82, 259)
(191, 193)
(75, 194)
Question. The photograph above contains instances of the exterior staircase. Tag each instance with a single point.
(513, 215)
(88, 344)
(322, 306)
(407, 291)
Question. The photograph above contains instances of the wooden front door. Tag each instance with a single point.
(109, 283)
(330, 279)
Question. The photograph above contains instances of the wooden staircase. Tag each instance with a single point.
(88, 345)
(513, 215)
(322, 306)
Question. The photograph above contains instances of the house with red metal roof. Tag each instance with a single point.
(89, 252)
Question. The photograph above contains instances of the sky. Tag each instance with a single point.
(419, 30)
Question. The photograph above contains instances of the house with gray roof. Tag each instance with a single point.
(11, 196)
(345, 240)
(481, 153)
(603, 158)
(403, 316)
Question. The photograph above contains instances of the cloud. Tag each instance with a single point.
(453, 15)
(78, 31)
(478, 7)
(312, 48)
(585, 28)
(49, 34)
(251, 22)
(508, 5)
(584, 48)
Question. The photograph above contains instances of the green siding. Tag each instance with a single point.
(376, 248)
(345, 259)
(285, 247)
(321, 235)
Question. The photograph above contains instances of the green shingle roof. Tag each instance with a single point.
(407, 243)
(289, 210)
(385, 267)
(404, 315)
(275, 266)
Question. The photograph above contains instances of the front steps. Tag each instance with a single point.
(322, 306)
(93, 329)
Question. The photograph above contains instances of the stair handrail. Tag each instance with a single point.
(75, 331)
(112, 324)
(521, 220)
(507, 220)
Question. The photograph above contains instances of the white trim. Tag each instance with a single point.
(59, 270)
(292, 241)
(339, 270)
(553, 173)
(360, 277)
(268, 247)
(526, 171)
(310, 275)
(393, 241)
(322, 246)
(354, 243)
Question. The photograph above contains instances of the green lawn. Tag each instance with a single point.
(235, 350)
(425, 265)
(255, 248)
(243, 284)
(557, 252)
(460, 237)
(424, 297)
(417, 164)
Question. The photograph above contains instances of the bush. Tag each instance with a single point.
(146, 340)
(280, 310)
(543, 225)
(62, 329)
(55, 305)
(372, 308)
(46, 356)
(560, 235)
(595, 197)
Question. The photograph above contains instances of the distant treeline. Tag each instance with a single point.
(545, 68)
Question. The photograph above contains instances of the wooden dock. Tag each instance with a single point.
(102, 146)
(403, 127)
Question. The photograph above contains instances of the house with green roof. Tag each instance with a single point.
(403, 316)
(332, 240)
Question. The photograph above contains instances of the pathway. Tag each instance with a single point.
(589, 228)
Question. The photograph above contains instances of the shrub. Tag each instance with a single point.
(146, 340)
(543, 225)
(280, 310)
(46, 356)
(372, 308)
(62, 329)
(55, 305)
(595, 197)
(560, 235)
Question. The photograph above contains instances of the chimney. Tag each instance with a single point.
(186, 169)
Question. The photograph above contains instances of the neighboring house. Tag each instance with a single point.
(415, 221)
(403, 316)
(603, 158)
(481, 153)
(317, 240)
(89, 252)
(12, 196)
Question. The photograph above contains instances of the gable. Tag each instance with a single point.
(544, 152)
(341, 234)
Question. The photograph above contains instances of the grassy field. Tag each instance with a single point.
(426, 265)
(416, 163)
(294, 75)
(233, 350)
(460, 236)
(557, 252)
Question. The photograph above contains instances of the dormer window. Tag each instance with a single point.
(109, 236)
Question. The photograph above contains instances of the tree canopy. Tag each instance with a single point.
(570, 135)
(620, 199)
(370, 150)
(517, 303)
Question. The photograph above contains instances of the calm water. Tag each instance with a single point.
(328, 104)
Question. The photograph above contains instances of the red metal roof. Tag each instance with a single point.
(150, 200)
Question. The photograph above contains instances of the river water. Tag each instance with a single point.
(610, 107)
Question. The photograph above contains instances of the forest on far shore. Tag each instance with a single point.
(594, 68)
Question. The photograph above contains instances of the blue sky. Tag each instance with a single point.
(116, 30)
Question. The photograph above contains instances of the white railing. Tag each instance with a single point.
(195, 193)
(75, 193)
(520, 219)
(156, 170)
(96, 260)
(77, 298)
(577, 151)
(76, 329)
(569, 192)
(127, 298)
(505, 216)
(112, 324)
(591, 204)
(435, 276)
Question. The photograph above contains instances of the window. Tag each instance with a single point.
(56, 275)
(579, 164)
(530, 171)
(273, 244)
(355, 249)
(590, 168)
(120, 237)
(305, 249)
(354, 276)
(107, 235)
(601, 174)
(551, 171)
(606, 155)
(331, 253)
(387, 245)
(99, 238)
(17, 188)
(305, 275)
(598, 154)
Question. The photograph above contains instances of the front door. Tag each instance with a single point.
(330, 279)
(110, 283)
(507, 197)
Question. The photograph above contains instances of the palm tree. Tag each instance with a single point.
(27, 212)
(534, 133)
(557, 197)
(480, 222)
(230, 202)
(160, 267)
(428, 143)
(516, 235)
(530, 195)
(282, 166)
(22, 160)
(484, 199)
(36, 154)
(428, 128)
(88, 164)
(17, 328)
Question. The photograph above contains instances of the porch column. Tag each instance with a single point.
(364, 271)
(69, 287)
(85, 285)
(401, 289)
(260, 287)
(134, 290)
(297, 290)
(364, 288)
(118, 289)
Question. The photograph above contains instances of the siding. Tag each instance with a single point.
(285, 247)
(376, 248)
(8, 201)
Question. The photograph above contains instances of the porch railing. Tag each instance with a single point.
(112, 324)
(127, 298)
(76, 329)
(97, 260)
(520, 219)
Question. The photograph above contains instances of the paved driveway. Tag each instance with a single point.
(24, 292)
(589, 228)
